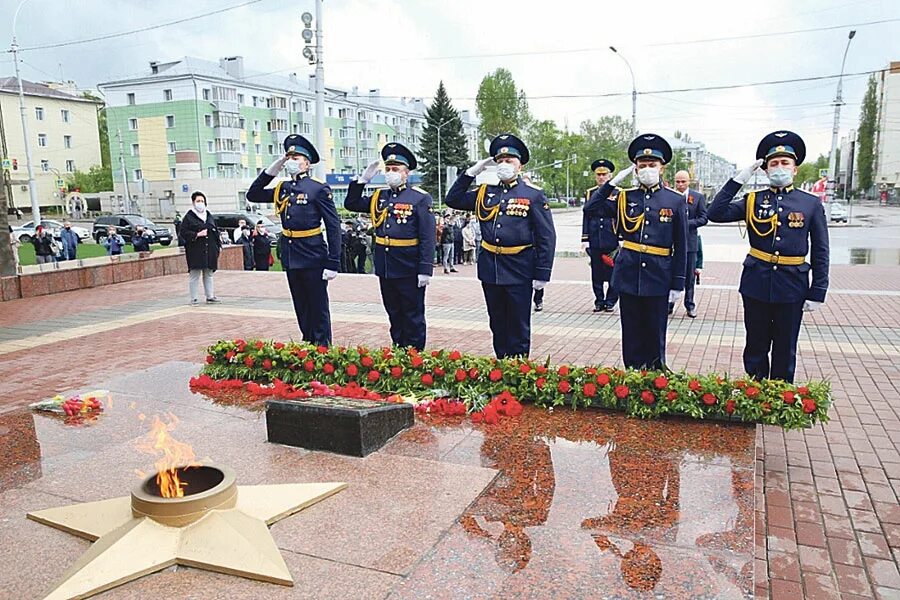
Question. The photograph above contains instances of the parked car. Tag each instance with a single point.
(837, 212)
(25, 231)
(125, 225)
(228, 222)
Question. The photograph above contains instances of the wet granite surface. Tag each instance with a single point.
(549, 504)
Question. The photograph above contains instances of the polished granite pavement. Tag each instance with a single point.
(550, 504)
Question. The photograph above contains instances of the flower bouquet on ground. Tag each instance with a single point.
(76, 409)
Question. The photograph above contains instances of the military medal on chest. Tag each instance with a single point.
(766, 209)
(796, 220)
(402, 212)
(518, 207)
(297, 198)
(665, 215)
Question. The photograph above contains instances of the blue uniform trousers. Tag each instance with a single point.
(310, 295)
(771, 326)
(644, 320)
(509, 313)
(600, 274)
(404, 302)
(689, 281)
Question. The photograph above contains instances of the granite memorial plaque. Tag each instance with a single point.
(334, 424)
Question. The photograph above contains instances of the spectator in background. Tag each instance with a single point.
(177, 223)
(43, 250)
(202, 244)
(468, 235)
(457, 241)
(238, 232)
(140, 240)
(447, 245)
(14, 244)
(114, 243)
(70, 241)
(247, 244)
(438, 229)
(262, 248)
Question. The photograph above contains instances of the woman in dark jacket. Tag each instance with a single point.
(246, 243)
(200, 238)
(43, 245)
(262, 247)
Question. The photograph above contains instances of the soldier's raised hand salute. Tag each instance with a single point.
(621, 175)
(480, 166)
(744, 175)
(371, 171)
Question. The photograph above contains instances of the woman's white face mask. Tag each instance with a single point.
(200, 207)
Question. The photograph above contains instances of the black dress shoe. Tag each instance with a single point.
(538, 307)
(609, 308)
(599, 308)
(692, 313)
(454, 271)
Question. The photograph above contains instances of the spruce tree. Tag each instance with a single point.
(453, 143)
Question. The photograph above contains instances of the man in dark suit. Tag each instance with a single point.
(696, 217)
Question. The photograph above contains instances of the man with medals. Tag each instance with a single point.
(600, 242)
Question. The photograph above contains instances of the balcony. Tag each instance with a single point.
(278, 137)
(225, 157)
(345, 122)
(280, 113)
(229, 106)
(367, 144)
(233, 133)
(307, 117)
(365, 125)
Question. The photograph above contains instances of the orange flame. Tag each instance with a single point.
(172, 454)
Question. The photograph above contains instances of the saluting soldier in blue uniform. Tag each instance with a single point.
(696, 217)
(304, 204)
(649, 271)
(404, 241)
(599, 239)
(518, 241)
(784, 224)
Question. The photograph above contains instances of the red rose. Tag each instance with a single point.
(352, 370)
(240, 343)
(622, 392)
(647, 397)
(259, 345)
(367, 362)
(563, 371)
(729, 407)
(751, 391)
(589, 390)
(694, 385)
(672, 396)
(491, 415)
(809, 405)
(460, 375)
(321, 349)
(603, 379)
(708, 399)
(229, 355)
(439, 372)
(661, 382)
(396, 372)
(564, 387)
(789, 397)
(541, 369)
(524, 369)
(455, 355)
(328, 368)
(540, 383)
(496, 375)
(513, 408)
(309, 366)
(477, 417)
(803, 390)
(417, 361)
(473, 373)
(590, 371)
(267, 364)
(427, 379)
(386, 353)
(249, 361)
(373, 376)
(279, 346)
(301, 354)
(740, 384)
(435, 353)
(210, 359)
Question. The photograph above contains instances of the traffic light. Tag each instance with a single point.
(15, 164)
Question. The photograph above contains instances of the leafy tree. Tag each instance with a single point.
(808, 172)
(501, 107)
(549, 147)
(607, 137)
(865, 147)
(97, 179)
(453, 141)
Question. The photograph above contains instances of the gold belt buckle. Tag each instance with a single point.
(643, 247)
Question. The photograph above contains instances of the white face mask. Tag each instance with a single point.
(393, 179)
(649, 176)
(292, 167)
(780, 176)
(505, 171)
(199, 207)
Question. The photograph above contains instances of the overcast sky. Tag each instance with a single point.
(565, 44)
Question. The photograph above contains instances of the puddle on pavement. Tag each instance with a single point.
(874, 256)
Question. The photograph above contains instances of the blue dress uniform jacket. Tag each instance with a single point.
(599, 232)
(659, 220)
(400, 215)
(304, 204)
(794, 225)
(511, 216)
(697, 217)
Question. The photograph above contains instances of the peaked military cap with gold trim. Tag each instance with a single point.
(506, 144)
(650, 145)
(782, 143)
(398, 154)
(602, 166)
(297, 144)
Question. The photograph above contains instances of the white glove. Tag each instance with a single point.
(328, 274)
(744, 175)
(621, 175)
(275, 168)
(674, 296)
(812, 306)
(584, 247)
(538, 285)
(424, 280)
(478, 167)
(371, 171)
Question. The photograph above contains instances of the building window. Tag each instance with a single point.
(243, 148)
(256, 125)
(211, 172)
(132, 124)
(138, 174)
(240, 98)
(255, 101)
(42, 140)
(67, 141)
(172, 173)
(271, 149)
(257, 148)
(70, 166)
(135, 149)
(206, 94)
(170, 121)
(209, 146)
(330, 111)
(45, 166)
(131, 99)
(242, 122)
(38, 113)
(306, 128)
(207, 119)
(171, 147)
(65, 115)
(167, 95)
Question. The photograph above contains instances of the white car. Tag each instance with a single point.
(25, 232)
(837, 212)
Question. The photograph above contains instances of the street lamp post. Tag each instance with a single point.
(32, 184)
(838, 101)
(633, 89)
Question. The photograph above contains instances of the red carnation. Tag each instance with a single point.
(541, 369)
(590, 371)
(427, 379)
(328, 368)
(603, 379)
(301, 354)
(708, 399)
(321, 349)
(766, 407)
(267, 364)
(803, 390)
(249, 361)
(309, 366)
(455, 355)
(367, 362)
(729, 407)
(473, 373)
(490, 414)
(809, 405)
(460, 375)
(352, 370)
(496, 375)
(741, 384)
(661, 382)
(396, 372)
(524, 369)
(513, 408)
(589, 390)
(210, 359)
(751, 391)
(279, 346)
(477, 417)
(229, 355)
(647, 397)
(789, 397)
(564, 386)
(417, 361)
(540, 383)
(373, 376)
(435, 353)
(622, 392)
(259, 345)
(694, 385)
(672, 396)
(439, 372)
(563, 371)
